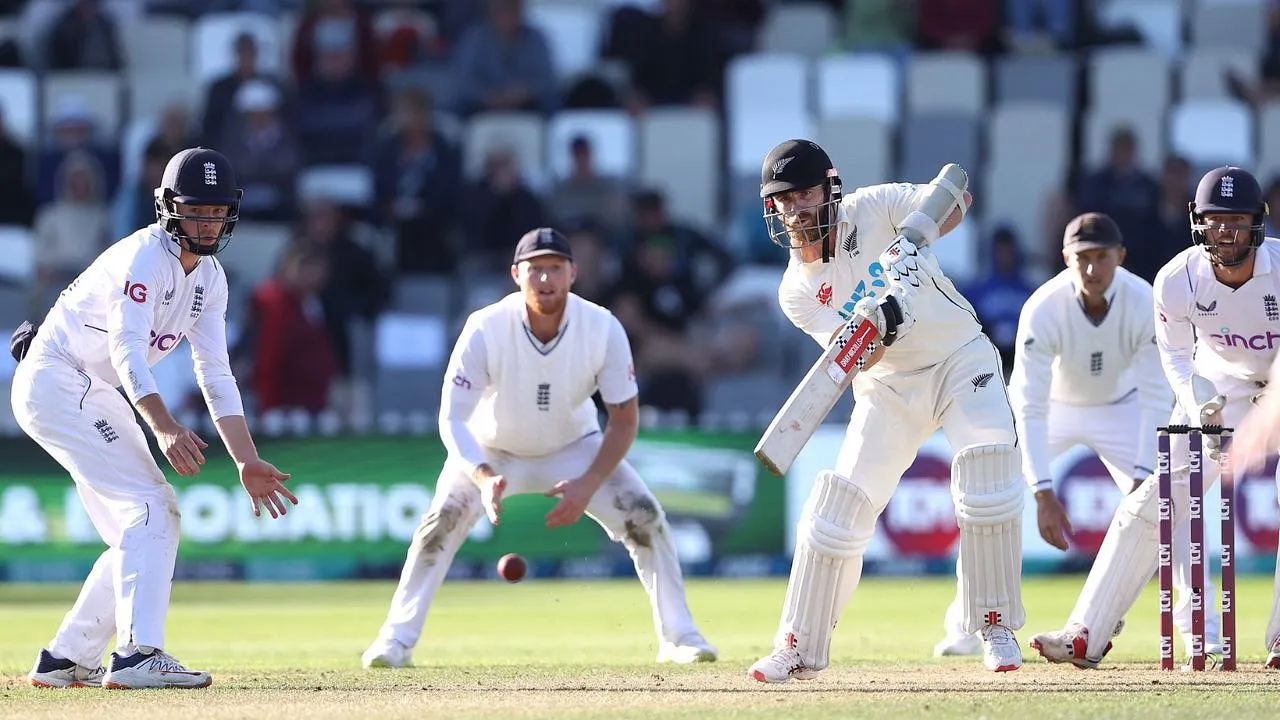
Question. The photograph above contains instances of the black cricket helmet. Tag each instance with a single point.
(201, 177)
(796, 165)
(1228, 190)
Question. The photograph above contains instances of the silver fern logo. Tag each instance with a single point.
(980, 381)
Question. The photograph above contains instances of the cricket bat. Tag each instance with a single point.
(831, 375)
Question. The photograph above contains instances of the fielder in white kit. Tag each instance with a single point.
(517, 417)
(1217, 327)
(1085, 372)
(121, 316)
(938, 369)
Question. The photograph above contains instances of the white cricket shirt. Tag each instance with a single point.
(818, 297)
(1063, 356)
(507, 391)
(131, 307)
(1204, 327)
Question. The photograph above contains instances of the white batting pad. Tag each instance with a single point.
(834, 529)
(988, 491)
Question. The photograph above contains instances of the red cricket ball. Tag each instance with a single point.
(512, 567)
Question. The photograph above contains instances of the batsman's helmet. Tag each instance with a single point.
(795, 165)
(1228, 190)
(198, 176)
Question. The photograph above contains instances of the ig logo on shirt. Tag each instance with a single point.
(136, 292)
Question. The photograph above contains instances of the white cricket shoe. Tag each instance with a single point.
(156, 669)
(52, 672)
(387, 654)
(690, 649)
(781, 666)
(1273, 657)
(1000, 649)
(1212, 658)
(958, 645)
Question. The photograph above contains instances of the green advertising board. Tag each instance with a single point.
(361, 497)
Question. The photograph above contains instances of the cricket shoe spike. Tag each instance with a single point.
(691, 649)
(1000, 651)
(157, 669)
(52, 672)
(1273, 657)
(387, 654)
(956, 645)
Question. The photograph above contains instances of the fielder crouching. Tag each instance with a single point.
(935, 369)
(517, 417)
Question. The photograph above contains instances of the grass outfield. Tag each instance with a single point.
(576, 649)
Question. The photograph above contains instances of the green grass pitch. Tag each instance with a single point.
(579, 649)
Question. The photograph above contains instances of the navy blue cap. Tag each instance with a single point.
(542, 241)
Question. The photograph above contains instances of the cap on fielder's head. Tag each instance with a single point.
(542, 241)
(1090, 231)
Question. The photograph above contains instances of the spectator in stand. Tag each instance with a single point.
(354, 22)
(585, 193)
(498, 207)
(674, 57)
(135, 205)
(84, 38)
(1129, 195)
(72, 129)
(998, 297)
(261, 146)
(504, 63)
(959, 25)
(417, 176)
(294, 363)
(338, 108)
(16, 204)
(219, 101)
(73, 230)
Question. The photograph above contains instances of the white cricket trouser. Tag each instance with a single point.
(894, 416)
(89, 428)
(623, 506)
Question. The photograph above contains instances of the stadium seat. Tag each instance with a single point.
(1203, 72)
(1020, 204)
(679, 154)
(149, 93)
(157, 43)
(99, 94)
(523, 133)
(805, 28)
(573, 32)
(1239, 25)
(751, 136)
(17, 255)
(348, 184)
(1128, 75)
(408, 391)
(947, 82)
(934, 139)
(1030, 139)
(1212, 132)
(424, 294)
(768, 82)
(858, 85)
(410, 341)
(613, 139)
(957, 252)
(1159, 22)
(1036, 78)
(860, 147)
(18, 104)
(213, 39)
(133, 145)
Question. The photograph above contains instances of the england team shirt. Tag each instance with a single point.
(1204, 327)
(131, 307)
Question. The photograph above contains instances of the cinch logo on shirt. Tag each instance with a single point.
(861, 291)
(165, 342)
(1264, 341)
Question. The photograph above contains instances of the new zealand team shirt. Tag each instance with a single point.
(819, 297)
(1205, 327)
(131, 307)
(506, 390)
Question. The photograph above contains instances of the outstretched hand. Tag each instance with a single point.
(265, 486)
